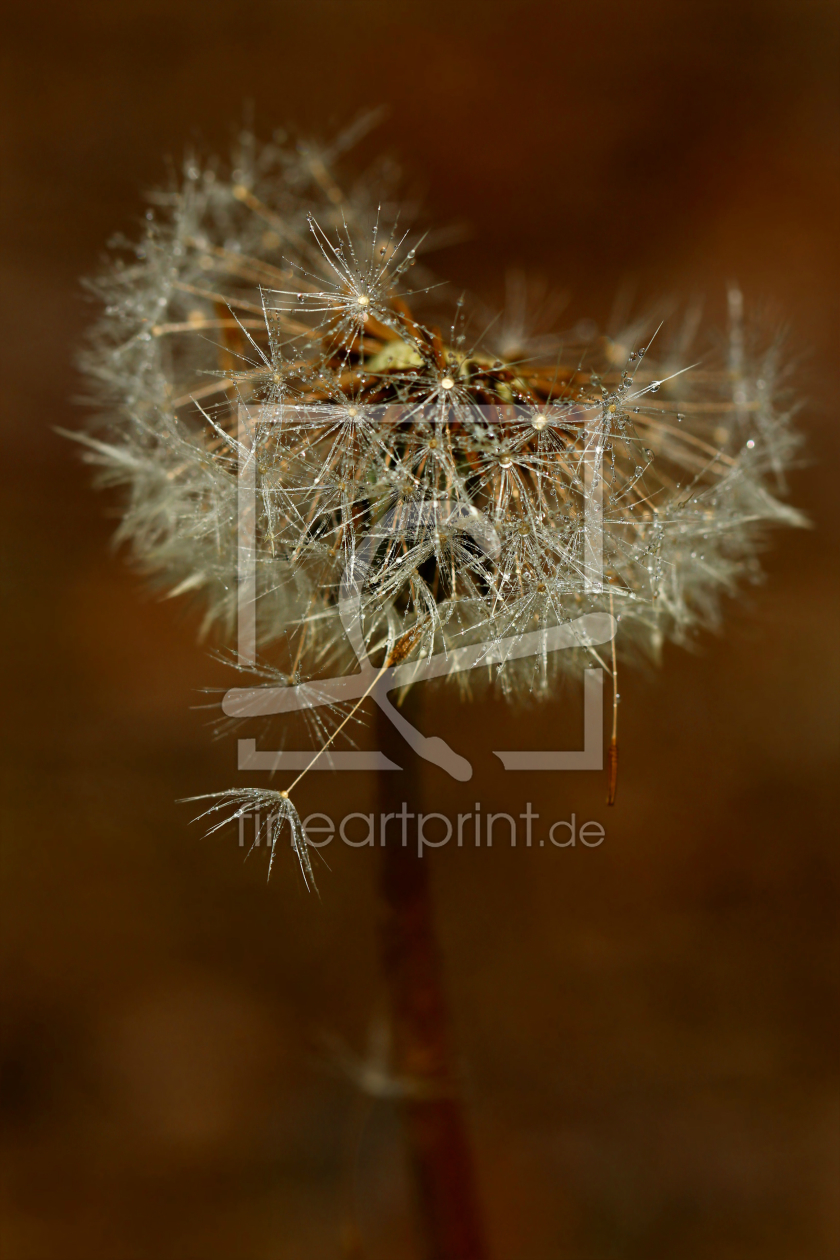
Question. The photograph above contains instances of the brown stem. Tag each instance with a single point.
(435, 1130)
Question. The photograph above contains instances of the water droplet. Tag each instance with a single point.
(655, 386)
(505, 460)
(750, 444)
(301, 297)
(447, 383)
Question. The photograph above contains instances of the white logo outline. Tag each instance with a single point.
(589, 630)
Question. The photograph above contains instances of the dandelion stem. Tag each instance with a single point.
(436, 1133)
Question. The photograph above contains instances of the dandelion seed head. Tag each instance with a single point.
(306, 298)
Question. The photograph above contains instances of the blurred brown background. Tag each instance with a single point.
(646, 1028)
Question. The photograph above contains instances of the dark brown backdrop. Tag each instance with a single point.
(646, 1027)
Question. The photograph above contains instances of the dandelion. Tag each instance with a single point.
(423, 486)
(362, 406)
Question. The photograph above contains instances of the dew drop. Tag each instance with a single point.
(750, 444)
(655, 386)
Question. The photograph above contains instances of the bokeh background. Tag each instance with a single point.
(647, 1029)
